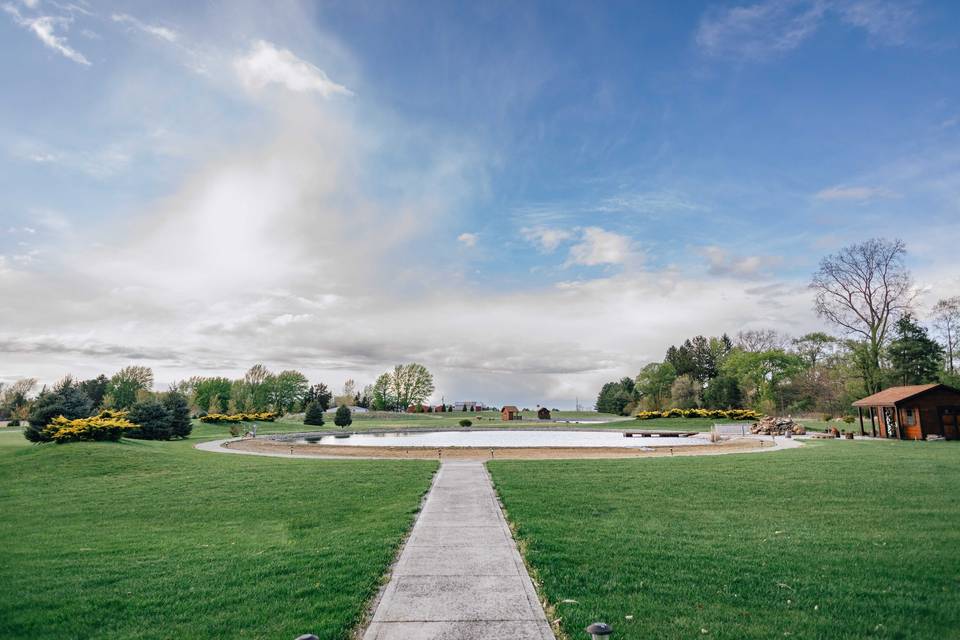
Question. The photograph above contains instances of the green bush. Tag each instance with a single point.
(343, 418)
(849, 419)
(179, 409)
(314, 414)
(465, 423)
(65, 399)
(14, 423)
(152, 419)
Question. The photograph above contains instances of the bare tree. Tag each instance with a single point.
(863, 289)
(946, 320)
(757, 340)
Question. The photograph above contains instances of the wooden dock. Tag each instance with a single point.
(659, 434)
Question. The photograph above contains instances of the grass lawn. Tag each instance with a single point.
(835, 540)
(157, 540)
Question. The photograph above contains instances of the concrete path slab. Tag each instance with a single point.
(460, 575)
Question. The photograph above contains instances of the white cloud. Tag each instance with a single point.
(266, 64)
(45, 28)
(885, 20)
(722, 263)
(468, 239)
(651, 203)
(759, 29)
(598, 246)
(164, 33)
(772, 27)
(546, 239)
(853, 193)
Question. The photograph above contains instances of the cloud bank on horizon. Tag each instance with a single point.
(201, 188)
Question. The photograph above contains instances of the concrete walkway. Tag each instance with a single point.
(459, 576)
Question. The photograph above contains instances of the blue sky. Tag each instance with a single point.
(529, 197)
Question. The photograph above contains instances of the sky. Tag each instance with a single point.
(529, 198)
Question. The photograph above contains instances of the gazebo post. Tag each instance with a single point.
(873, 424)
(860, 413)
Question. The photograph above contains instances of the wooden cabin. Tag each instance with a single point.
(543, 413)
(912, 413)
(510, 412)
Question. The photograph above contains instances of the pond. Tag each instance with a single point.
(499, 438)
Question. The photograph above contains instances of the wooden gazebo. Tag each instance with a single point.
(912, 412)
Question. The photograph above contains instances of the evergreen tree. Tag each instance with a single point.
(343, 417)
(318, 394)
(152, 420)
(65, 399)
(915, 358)
(179, 411)
(314, 414)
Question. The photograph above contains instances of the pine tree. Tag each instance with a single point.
(343, 417)
(314, 415)
(915, 358)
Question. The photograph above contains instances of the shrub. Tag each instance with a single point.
(826, 417)
(65, 399)
(848, 419)
(179, 409)
(105, 426)
(465, 423)
(314, 414)
(14, 423)
(226, 418)
(236, 430)
(343, 417)
(715, 414)
(152, 420)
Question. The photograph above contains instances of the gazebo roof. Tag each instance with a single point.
(895, 395)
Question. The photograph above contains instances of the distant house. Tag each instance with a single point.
(468, 405)
(543, 413)
(510, 412)
(913, 412)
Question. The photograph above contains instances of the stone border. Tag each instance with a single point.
(284, 449)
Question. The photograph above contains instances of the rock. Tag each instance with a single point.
(769, 425)
(307, 636)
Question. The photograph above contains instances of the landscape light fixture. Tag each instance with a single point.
(599, 630)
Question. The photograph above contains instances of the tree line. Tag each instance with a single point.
(259, 390)
(866, 293)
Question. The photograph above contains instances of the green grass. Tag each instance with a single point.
(834, 540)
(157, 540)
(682, 424)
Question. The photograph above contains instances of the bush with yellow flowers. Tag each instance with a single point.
(228, 418)
(107, 425)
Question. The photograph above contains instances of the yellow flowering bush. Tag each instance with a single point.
(715, 414)
(227, 418)
(107, 425)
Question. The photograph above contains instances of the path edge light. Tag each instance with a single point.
(599, 630)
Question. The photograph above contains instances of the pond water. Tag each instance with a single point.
(500, 439)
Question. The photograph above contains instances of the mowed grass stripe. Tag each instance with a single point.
(157, 540)
(839, 540)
